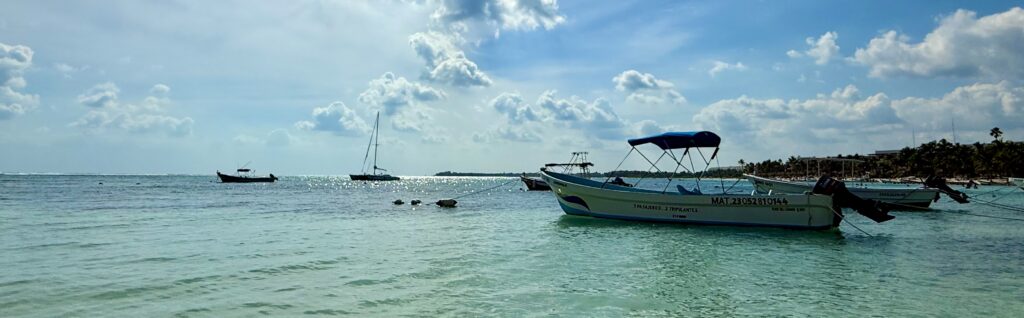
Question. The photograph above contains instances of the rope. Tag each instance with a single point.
(488, 189)
(617, 167)
(840, 216)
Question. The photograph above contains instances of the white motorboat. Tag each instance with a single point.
(585, 197)
(909, 198)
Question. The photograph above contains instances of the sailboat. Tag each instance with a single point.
(373, 175)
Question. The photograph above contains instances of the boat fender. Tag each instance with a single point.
(448, 203)
(398, 202)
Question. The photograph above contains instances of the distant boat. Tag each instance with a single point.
(244, 176)
(534, 184)
(585, 197)
(578, 160)
(375, 142)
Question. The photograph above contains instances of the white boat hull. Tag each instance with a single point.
(910, 198)
(584, 197)
(1019, 182)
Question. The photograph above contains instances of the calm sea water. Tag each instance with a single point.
(160, 246)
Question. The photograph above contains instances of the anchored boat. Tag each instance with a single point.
(244, 176)
(374, 175)
(916, 198)
(585, 197)
(578, 160)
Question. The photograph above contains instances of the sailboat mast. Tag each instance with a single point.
(376, 141)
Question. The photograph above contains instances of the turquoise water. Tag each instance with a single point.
(161, 246)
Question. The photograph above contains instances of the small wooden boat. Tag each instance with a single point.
(373, 175)
(244, 176)
(585, 197)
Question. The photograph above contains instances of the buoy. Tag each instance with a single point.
(415, 202)
(398, 202)
(448, 203)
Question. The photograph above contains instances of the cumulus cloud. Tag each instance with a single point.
(160, 89)
(393, 93)
(645, 88)
(822, 49)
(505, 14)
(335, 118)
(720, 66)
(445, 62)
(109, 113)
(978, 106)
(596, 118)
(962, 45)
(101, 95)
(815, 119)
(14, 59)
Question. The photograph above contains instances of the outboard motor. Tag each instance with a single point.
(874, 210)
(940, 184)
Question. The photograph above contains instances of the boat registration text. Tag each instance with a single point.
(749, 201)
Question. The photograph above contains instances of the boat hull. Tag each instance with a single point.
(584, 197)
(535, 184)
(373, 177)
(1019, 182)
(917, 198)
(225, 178)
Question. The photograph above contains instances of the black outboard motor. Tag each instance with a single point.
(940, 184)
(874, 210)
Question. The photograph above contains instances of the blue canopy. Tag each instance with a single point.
(676, 140)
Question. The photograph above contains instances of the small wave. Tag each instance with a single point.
(328, 312)
(369, 282)
(193, 280)
(266, 305)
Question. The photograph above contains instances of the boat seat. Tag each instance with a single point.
(683, 191)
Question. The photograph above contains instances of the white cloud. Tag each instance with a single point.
(445, 62)
(14, 60)
(336, 118)
(506, 14)
(515, 108)
(160, 89)
(822, 49)
(109, 113)
(101, 95)
(393, 93)
(826, 117)
(978, 107)
(594, 118)
(645, 88)
(720, 66)
(961, 46)
(845, 116)
(279, 138)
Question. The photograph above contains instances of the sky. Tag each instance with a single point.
(293, 87)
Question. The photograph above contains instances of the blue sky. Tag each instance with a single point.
(496, 85)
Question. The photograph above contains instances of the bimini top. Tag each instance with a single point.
(676, 140)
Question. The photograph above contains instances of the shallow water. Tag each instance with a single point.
(157, 246)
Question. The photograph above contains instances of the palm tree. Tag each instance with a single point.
(996, 133)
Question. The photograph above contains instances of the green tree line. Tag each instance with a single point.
(996, 159)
